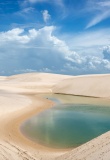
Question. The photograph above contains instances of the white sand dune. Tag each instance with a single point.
(97, 149)
(31, 82)
(18, 102)
(12, 100)
(93, 85)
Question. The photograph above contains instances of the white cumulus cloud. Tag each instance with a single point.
(106, 52)
(14, 35)
(40, 50)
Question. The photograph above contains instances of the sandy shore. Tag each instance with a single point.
(18, 102)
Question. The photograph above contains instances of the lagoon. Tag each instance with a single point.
(71, 122)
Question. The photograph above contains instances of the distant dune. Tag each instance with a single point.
(19, 100)
(89, 85)
(31, 82)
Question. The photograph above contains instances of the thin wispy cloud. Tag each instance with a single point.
(91, 38)
(58, 2)
(101, 10)
(98, 19)
(35, 1)
(24, 11)
(55, 3)
(104, 3)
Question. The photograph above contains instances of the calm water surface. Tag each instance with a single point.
(68, 125)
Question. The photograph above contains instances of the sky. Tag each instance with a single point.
(55, 36)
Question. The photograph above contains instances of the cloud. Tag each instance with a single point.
(27, 10)
(59, 3)
(101, 10)
(104, 3)
(106, 52)
(98, 19)
(92, 38)
(36, 1)
(14, 35)
(88, 42)
(46, 16)
(40, 50)
(62, 9)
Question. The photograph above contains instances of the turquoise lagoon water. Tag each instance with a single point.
(68, 125)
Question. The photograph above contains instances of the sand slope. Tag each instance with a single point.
(18, 102)
(97, 149)
(93, 85)
(31, 82)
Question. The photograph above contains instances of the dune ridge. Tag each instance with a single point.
(19, 99)
(92, 85)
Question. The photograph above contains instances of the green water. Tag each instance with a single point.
(68, 125)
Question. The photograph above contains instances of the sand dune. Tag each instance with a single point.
(18, 102)
(12, 101)
(97, 149)
(31, 82)
(2, 78)
(93, 85)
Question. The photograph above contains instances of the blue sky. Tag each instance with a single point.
(57, 36)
